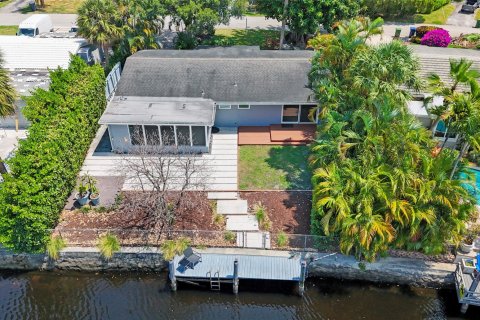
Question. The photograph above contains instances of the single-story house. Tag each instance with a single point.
(181, 95)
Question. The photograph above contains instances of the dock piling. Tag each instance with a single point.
(235, 276)
(173, 279)
(303, 275)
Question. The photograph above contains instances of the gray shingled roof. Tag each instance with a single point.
(235, 74)
(245, 74)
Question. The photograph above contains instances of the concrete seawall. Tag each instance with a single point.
(406, 271)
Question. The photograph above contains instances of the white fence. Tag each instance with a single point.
(112, 81)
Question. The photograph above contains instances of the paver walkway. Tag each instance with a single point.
(219, 172)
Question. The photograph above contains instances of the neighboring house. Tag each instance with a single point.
(178, 96)
(29, 60)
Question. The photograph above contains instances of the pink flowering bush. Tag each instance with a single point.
(437, 38)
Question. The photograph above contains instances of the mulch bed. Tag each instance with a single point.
(195, 214)
(289, 211)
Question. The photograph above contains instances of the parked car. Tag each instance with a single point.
(35, 25)
(470, 6)
(91, 54)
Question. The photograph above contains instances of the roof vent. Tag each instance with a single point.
(184, 106)
(203, 93)
(235, 84)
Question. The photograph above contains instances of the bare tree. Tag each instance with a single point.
(162, 177)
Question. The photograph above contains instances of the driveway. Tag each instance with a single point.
(461, 19)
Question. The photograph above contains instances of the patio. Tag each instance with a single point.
(277, 134)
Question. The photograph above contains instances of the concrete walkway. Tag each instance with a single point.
(9, 140)
(14, 6)
(220, 165)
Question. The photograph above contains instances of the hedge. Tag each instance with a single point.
(401, 8)
(45, 166)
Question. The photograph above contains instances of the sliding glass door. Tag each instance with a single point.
(294, 113)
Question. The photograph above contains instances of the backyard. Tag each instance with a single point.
(273, 168)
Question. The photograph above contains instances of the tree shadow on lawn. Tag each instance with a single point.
(293, 161)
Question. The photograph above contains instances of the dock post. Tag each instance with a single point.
(235, 276)
(173, 279)
(464, 308)
(303, 275)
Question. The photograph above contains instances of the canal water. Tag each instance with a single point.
(71, 295)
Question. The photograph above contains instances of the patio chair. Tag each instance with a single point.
(398, 31)
(191, 257)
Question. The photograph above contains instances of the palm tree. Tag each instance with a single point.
(7, 93)
(98, 22)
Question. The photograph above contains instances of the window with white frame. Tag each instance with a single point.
(243, 106)
(294, 113)
(168, 135)
(224, 107)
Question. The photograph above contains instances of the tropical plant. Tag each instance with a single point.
(171, 248)
(436, 38)
(54, 246)
(304, 18)
(98, 22)
(108, 244)
(7, 92)
(376, 183)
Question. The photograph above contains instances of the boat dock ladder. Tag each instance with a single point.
(214, 281)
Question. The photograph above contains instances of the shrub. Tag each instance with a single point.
(185, 41)
(218, 220)
(64, 121)
(54, 246)
(401, 8)
(422, 30)
(171, 248)
(271, 44)
(282, 240)
(230, 236)
(416, 40)
(108, 245)
(437, 38)
(262, 217)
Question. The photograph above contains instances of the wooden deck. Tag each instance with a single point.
(277, 134)
(249, 267)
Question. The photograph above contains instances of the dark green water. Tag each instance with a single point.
(49, 295)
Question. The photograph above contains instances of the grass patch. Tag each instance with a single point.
(241, 37)
(274, 168)
(439, 16)
(8, 30)
(57, 6)
(4, 3)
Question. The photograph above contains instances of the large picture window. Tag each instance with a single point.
(198, 136)
(183, 135)
(293, 113)
(136, 135)
(153, 136)
(168, 135)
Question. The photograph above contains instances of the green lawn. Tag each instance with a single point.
(274, 168)
(8, 30)
(250, 37)
(4, 3)
(57, 6)
(439, 16)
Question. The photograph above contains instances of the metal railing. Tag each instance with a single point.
(201, 238)
(463, 293)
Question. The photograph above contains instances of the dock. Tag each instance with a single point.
(468, 288)
(216, 269)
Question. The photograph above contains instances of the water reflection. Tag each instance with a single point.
(48, 295)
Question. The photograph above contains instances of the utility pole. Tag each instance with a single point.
(282, 33)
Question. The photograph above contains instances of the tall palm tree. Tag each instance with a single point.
(99, 22)
(7, 93)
